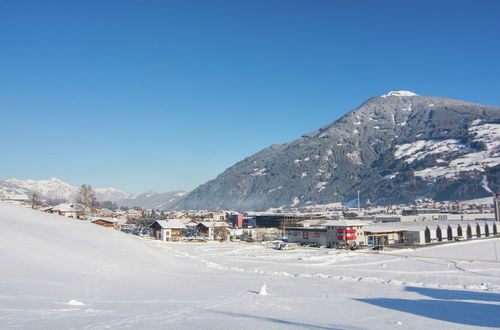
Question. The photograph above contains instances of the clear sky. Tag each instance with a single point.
(165, 94)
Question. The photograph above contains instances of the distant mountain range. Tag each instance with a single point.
(394, 148)
(56, 189)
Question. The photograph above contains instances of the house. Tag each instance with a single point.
(214, 229)
(167, 230)
(18, 199)
(189, 223)
(69, 210)
(308, 235)
(106, 223)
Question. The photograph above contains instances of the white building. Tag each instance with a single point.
(167, 230)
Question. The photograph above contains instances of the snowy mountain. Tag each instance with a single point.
(52, 188)
(111, 194)
(56, 189)
(151, 199)
(393, 148)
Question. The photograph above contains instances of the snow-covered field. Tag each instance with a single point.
(62, 273)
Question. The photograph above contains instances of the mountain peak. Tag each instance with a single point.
(399, 93)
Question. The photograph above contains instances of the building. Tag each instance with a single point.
(214, 229)
(377, 235)
(189, 223)
(249, 222)
(237, 220)
(18, 199)
(69, 210)
(308, 235)
(345, 233)
(330, 233)
(167, 230)
(105, 223)
(283, 220)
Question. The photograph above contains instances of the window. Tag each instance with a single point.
(305, 234)
(317, 234)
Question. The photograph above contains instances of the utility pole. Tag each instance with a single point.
(359, 204)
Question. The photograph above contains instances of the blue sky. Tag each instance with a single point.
(165, 95)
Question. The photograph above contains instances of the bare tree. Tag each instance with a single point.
(220, 233)
(35, 200)
(86, 198)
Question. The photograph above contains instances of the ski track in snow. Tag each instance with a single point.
(439, 279)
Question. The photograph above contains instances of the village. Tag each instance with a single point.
(334, 226)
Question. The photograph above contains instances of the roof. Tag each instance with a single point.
(17, 197)
(382, 230)
(170, 224)
(307, 228)
(211, 224)
(344, 223)
(67, 207)
(104, 220)
(188, 221)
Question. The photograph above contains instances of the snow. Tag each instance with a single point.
(321, 185)
(263, 290)
(275, 189)
(477, 201)
(422, 148)
(111, 194)
(469, 160)
(390, 176)
(259, 172)
(74, 302)
(355, 157)
(51, 188)
(484, 184)
(60, 273)
(399, 93)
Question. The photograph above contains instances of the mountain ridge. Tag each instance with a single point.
(54, 188)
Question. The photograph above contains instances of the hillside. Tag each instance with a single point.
(61, 273)
(393, 149)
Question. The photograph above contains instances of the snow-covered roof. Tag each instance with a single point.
(343, 223)
(187, 221)
(378, 229)
(211, 224)
(171, 224)
(18, 197)
(67, 207)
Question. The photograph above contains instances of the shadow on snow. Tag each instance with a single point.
(447, 305)
(279, 321)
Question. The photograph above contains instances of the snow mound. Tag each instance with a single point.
(263, 290)
(74, 302)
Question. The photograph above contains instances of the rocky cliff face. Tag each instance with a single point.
(393, 149)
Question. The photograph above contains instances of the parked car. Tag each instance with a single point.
(378, 247)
